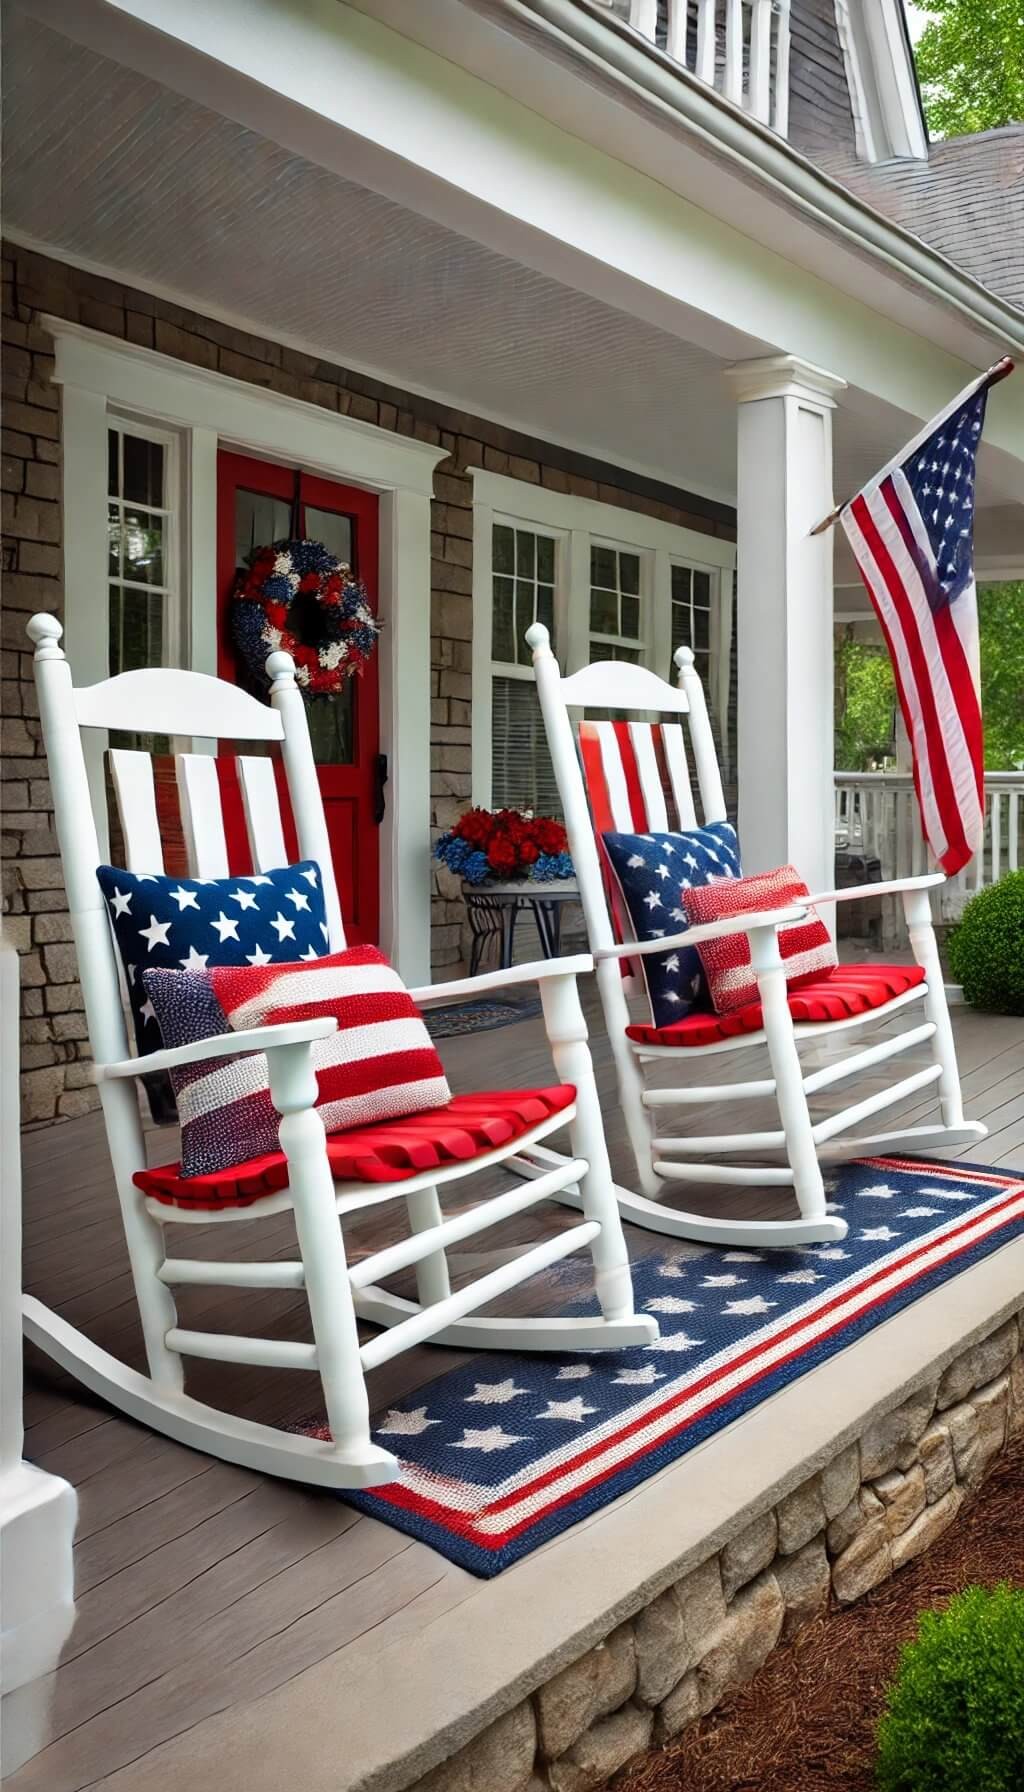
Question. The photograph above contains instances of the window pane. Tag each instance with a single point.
(503, 548)
(333, 529)
(681, 584)
(114, 537)
(525, 553)
(258, 522)
(629, 572)
(604, 613)
(680, 626)
(702, 589)
(546, 608)
(525, 589)
(503, 628)
(602, 567)
(143, 547)
(546, 559)
(113, 439)
(631, 616)
(701, 630)
(143, 470)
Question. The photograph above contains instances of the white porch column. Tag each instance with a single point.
(784, 615)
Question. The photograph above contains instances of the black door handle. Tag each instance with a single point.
(380, 778)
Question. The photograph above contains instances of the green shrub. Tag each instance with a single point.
(986, 950)
(954, 1718)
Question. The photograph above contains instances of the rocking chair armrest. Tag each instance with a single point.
(221, 1045)
(710, 930)
(899, 885)
(434, 994)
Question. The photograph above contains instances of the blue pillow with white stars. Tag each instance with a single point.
(651, 871)
(187, 923)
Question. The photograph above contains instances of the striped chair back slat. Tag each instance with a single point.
(202, 814)
(193, 815)
(135, 794)
(263, 812)
(636, 776)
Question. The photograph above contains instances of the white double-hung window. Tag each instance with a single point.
(607, 584)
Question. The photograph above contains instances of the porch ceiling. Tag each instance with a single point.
(108, 168)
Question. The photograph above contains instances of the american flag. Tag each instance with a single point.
(912, 534)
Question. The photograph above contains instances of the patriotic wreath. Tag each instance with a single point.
(295, 595)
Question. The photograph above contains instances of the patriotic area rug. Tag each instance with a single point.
(505, 1453)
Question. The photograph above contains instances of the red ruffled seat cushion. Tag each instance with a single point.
(849, 990)
(468, 1126)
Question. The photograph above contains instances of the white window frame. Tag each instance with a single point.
(577, 522)
(100, 376)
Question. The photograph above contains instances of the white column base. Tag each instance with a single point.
(38, 1513)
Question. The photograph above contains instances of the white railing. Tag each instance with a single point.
(739, 47)
(877, 815)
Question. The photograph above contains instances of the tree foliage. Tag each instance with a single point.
(970, 60)
(866, 690)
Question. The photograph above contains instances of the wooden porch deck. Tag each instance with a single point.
(202, 1587)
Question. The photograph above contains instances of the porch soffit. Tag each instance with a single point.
(355, 97)
(109, 169)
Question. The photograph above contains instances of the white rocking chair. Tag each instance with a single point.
(188, 704)
(600, 791)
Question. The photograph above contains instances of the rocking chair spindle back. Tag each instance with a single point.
(283, 817)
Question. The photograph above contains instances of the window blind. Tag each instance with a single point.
(522, 776)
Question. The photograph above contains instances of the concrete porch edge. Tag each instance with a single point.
(416, 1701)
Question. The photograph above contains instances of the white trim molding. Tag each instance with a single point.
(97, 374)
(576, 522)
(887, 115)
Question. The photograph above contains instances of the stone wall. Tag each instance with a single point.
(55, 1078)
(879, 1503)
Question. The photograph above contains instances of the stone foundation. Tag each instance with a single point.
(880, 1502)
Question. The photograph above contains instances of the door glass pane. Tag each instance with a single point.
(259, 520)
(332, 725)
(333, 529)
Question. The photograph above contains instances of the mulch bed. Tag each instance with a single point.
(807, 1722)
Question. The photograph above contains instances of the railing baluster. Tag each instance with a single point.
(780, 97)
(733, 88)
(759, 81)
(1012, 843)
(675, 36)
(706, 19)
(643, 16)
(996, 812)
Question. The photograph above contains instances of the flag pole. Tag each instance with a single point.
(999, 370)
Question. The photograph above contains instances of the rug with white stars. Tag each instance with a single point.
(506, 1452)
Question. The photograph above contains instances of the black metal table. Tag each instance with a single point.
(493, 910)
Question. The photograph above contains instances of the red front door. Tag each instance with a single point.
(259, 502)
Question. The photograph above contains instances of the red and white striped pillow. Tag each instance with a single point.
(379, 1065)
(806, 946)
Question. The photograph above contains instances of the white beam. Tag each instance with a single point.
(784, 614)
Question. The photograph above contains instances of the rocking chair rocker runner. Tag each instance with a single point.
(616, 784)
(179, 703)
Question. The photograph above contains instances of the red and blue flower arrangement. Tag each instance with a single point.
(295, 595)
(504, 845)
